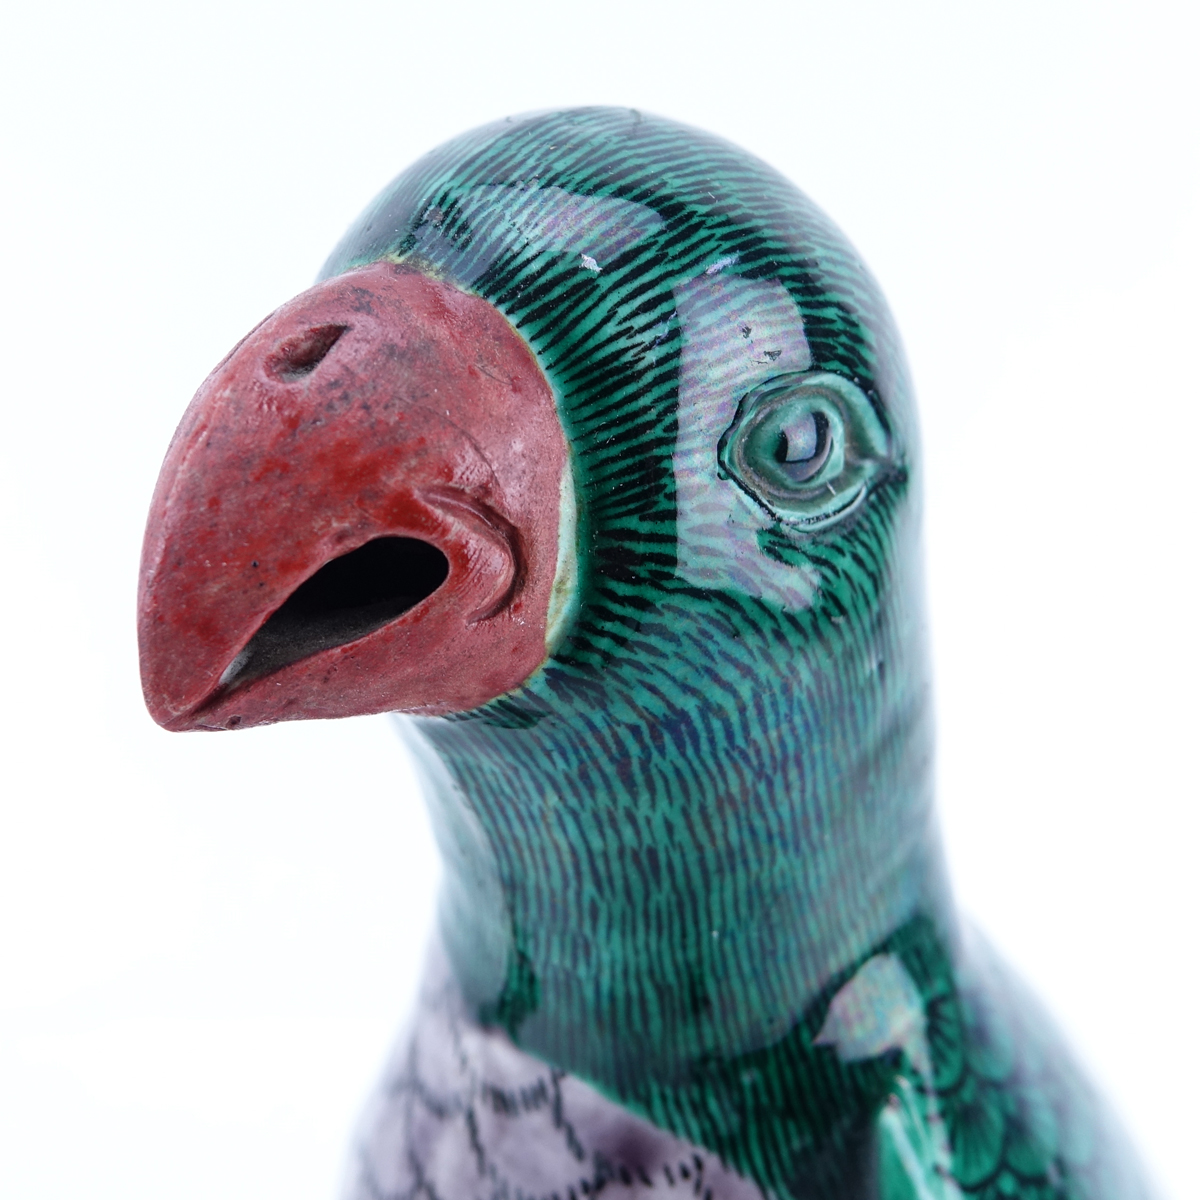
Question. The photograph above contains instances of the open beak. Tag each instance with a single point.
(358, 513)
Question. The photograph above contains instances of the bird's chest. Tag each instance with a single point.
(462, 1112)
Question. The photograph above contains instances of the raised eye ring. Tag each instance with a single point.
(806, 447)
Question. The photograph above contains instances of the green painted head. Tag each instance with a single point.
(712, 797)
(727, 371)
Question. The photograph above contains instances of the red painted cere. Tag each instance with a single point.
(382, 403)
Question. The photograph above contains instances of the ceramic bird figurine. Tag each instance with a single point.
(594, 451)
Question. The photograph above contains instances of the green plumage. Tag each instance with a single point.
(708, 815)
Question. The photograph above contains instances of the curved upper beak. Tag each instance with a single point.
(358, 513)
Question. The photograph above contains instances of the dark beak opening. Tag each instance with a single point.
(349, 597)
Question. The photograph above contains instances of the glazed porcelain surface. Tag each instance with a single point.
(594, 451)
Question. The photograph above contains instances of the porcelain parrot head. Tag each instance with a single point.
(571, 376)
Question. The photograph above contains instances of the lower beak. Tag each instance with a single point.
(358, 513)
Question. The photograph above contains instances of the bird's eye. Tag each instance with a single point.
(806, 447)
(802, 445)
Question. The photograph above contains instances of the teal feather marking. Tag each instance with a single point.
(673, 847)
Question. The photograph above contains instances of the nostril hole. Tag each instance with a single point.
(301, 355)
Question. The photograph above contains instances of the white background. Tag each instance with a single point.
(206, 943)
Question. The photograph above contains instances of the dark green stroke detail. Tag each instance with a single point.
(671, 848)
(608, 339)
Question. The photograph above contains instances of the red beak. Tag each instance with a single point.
(358, 513)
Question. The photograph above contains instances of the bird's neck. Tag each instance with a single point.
(666, 869)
